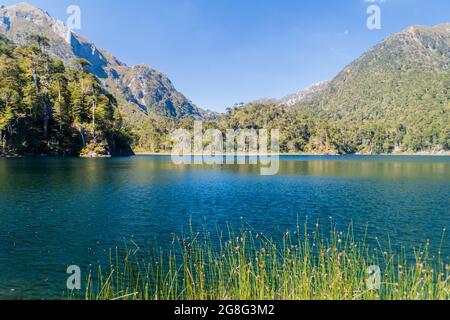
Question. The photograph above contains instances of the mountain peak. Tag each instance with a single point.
(306, 94)
(443, 27)
(26, 18)
(26, 7)
(139, 89)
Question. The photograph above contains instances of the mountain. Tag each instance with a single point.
(406, 78)
(394, 98)
(140, 90)
(307, 94)
(304, 95)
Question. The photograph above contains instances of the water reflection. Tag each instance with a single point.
(59, 212)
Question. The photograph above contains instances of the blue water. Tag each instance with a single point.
(60, 212)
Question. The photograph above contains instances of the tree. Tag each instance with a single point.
(45, 106)
(82, 64)
(42, 41)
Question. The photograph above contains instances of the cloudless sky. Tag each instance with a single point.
(221, 52)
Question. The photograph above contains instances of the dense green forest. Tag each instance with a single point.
(301, 131)
(46, 108)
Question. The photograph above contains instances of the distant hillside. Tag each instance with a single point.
(395, 98)
(140, 90)
(405, 79)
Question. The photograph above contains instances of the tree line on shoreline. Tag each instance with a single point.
(303, 132)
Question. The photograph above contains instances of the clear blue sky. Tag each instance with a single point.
(221, 52)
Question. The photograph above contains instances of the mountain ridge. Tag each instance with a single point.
(316, 88)
(155, 94)
(386, 75)
(393, 98)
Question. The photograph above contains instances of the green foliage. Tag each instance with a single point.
(250, 266)
(46, 108)
(303, 132)
(395, 98)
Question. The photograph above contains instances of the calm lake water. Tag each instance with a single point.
(60, 212)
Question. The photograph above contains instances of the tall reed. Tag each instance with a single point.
(250, 266)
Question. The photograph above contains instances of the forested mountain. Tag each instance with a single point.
(61, 94)
(395, 98)
(398, 93)
(410, 70)
(140, 91)
(46, 108)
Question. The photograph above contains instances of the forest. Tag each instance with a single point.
(49, 109)
(304, 132)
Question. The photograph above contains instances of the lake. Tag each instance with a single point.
(60, 212)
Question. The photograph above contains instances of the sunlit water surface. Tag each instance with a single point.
(60, 212)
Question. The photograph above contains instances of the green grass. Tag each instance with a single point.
(303, 266)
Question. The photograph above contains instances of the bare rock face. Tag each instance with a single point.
(140, 90)
(305, 94)
(151, 88)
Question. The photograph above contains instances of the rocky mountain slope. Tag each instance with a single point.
(304, 95)
(140, 90)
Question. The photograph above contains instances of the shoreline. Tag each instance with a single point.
(164, 154)
(418, 154)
